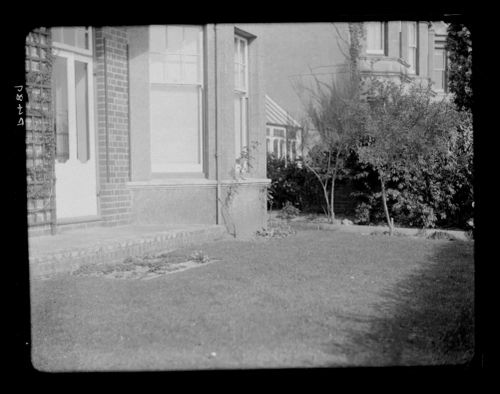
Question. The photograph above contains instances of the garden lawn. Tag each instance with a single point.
(317, 298)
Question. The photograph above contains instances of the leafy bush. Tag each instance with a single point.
(438, 192)
(291, 182)
(199, 257)
(276, 231)
(362, 213)
(288, 211)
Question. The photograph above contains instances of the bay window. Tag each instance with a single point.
(176, 98)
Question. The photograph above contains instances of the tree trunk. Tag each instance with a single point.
(384, 203)
(332, 200)
(327, 200)
(332, 195)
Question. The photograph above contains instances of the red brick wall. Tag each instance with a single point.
(113, 132)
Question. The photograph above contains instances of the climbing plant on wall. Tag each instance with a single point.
(40, 135)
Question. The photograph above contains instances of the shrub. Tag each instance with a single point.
(291, 182)
(288, 211)
(436, 193)
(362, 213)
(199, 257)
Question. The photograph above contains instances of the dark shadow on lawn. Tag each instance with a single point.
(425, 319)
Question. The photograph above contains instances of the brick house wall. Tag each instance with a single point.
(127, 190)
(111, 66)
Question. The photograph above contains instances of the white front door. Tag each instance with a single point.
(75, 168)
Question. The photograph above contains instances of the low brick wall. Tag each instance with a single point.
(71, 259)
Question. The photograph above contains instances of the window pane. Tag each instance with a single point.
(69, 36)
(60, 92)
(244, 131)
(282, 148)
(240, 67)
(242, 78)
(237, 124)
(173, 69)
(236, 76)
(275, 148)
(411, 57)
(190, 66)
(81, 100)
(279, 133)
(236, 50)
(174, 38)
(439, 68)
(191, 38)
(156, 68)
(176, 105)
(412, 33)
(57, 34)
(81, 38)
(175, 126)
(374, 36)
(74, 36)
(268, 145)
(157, 38)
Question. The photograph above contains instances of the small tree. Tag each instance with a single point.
(405, 128)
(338, 115)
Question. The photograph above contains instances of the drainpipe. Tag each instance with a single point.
(217, 171)
(106, 105)
(129, 137)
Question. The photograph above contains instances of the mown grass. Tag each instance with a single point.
(314, 298)
(428, 318)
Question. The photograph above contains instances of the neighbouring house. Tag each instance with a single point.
(283, 132)
(406, 49)
(145, 125)
(296, 52)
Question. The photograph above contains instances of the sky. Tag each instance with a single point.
(289, 51)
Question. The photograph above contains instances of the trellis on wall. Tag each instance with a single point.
(40, 136)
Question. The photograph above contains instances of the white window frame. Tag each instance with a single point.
(442, 70)
(400, 39)
(241, 141)
(75, 49)
(413, 47)
(369, 27)
(183, 167)
(273, 136)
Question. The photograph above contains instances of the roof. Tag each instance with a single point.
(277, 115)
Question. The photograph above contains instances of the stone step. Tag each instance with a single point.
(67, 252)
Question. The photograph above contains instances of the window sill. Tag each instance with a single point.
(246, 181)
(171, 183)
(375, 52)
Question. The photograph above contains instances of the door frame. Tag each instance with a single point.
(72, 54)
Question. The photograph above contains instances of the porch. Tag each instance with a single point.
(67, 251)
